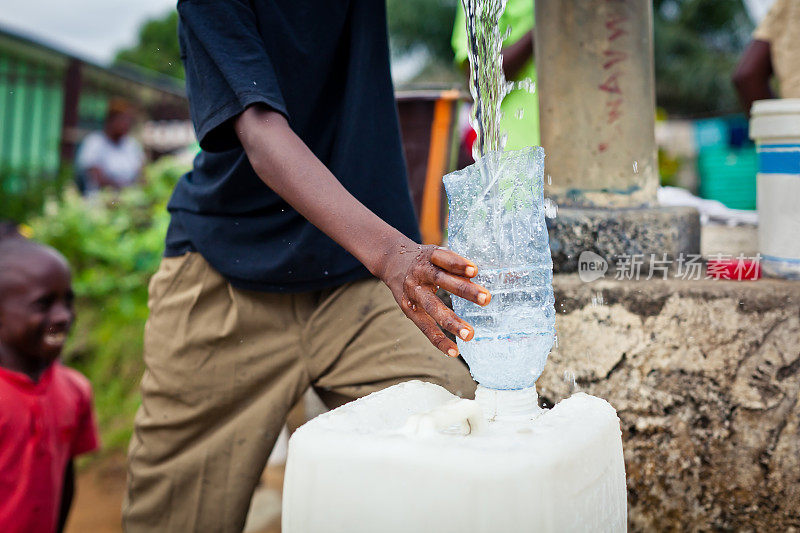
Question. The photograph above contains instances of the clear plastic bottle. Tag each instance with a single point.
(497, 220)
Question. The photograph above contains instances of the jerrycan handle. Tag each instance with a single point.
(462, 417)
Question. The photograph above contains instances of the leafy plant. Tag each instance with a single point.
(157, 47)
(114, 242)
(23, 193)
(697, 45)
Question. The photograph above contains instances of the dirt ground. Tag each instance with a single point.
(101, 484)
(98, 497)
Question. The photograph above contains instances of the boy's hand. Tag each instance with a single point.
(413, 273)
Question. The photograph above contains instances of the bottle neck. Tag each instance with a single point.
(508, 404)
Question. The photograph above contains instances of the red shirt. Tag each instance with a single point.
(42, 426)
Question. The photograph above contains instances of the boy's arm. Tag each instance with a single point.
(412, 272)
(67, 494)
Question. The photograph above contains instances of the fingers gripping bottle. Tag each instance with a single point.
(497, 220)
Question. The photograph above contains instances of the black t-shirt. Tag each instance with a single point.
(325, 65)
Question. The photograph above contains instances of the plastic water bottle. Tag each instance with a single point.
(497, 220)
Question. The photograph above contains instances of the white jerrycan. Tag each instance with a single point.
(414, 458)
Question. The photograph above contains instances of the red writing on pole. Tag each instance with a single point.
(613, 63)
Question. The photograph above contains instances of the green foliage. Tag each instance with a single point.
(157, 47)
(23, 194)
(697, 44)
(669, 165)
(428, 23)
(114, 244)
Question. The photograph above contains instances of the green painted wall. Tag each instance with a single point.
(31, 107)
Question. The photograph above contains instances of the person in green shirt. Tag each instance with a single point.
(518, 64)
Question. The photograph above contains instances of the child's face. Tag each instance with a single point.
(36, 307)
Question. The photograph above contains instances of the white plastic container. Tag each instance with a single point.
(414, 458)
(775, 128)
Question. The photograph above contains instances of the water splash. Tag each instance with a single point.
(572, 383)
(598, 300)
(550, 208)
(497, 219)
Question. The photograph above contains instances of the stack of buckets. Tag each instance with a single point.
(775, 128)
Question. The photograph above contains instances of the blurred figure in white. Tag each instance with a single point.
(110, 158)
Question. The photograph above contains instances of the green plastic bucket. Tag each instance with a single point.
(729, 175)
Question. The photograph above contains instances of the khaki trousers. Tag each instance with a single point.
(223, 368)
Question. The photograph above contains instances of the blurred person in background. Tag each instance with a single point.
(774, 51)
(520, 108)
(110, 158)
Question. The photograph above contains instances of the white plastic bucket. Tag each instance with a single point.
(775, 128)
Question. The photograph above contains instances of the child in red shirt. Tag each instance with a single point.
(46, 416)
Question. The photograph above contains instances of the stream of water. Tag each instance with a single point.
(487, 81)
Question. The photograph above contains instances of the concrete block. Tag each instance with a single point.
(612, 233)
(705, 376)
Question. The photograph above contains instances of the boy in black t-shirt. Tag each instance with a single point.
(292, 256)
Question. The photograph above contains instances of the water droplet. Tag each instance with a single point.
(550, 208)
(549, 179)
(519, 113)
(635, 167)
(597, 299)
(569, 379)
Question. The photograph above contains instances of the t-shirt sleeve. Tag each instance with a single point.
(773, 23)
(227, 68)
(86, 437)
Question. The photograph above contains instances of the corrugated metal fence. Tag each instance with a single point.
(49, 101)
(30, 120)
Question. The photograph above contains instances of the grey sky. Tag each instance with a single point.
(93, 29)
